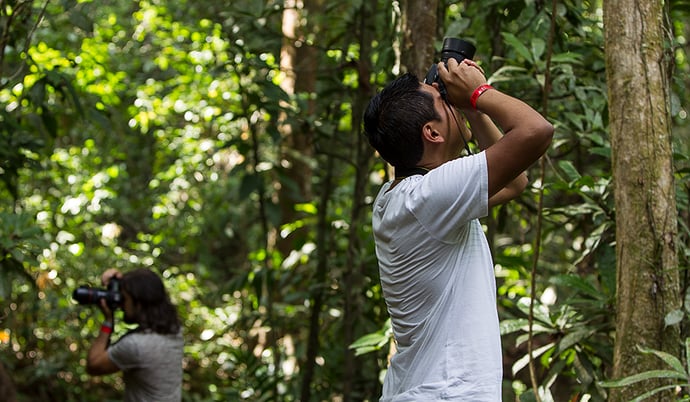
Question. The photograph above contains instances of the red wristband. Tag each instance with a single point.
(106, 329)
(477, 93)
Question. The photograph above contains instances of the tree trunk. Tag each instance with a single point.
(299, 62)
(646, 227)
(419, 32)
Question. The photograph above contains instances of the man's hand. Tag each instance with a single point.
(527, 133)
(461, 79)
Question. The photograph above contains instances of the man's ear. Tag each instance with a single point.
(430, 134)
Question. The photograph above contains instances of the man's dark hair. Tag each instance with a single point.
(154, 309)
(394, 120)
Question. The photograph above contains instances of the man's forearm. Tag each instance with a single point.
(483, 128)
(486, 133)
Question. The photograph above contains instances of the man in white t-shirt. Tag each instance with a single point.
(434, 261)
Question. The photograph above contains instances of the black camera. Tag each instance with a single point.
(455, 48)
(89, 295)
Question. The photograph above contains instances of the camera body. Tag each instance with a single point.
(455, 48)
(88, 295)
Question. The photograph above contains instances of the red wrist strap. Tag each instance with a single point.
(106, 329)
(477, 93)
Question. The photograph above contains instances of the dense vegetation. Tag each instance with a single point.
(152, 134)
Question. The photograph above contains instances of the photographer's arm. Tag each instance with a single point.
(527, 134)
(97, 360)
(486, 134)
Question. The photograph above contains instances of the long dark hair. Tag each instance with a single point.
(154, 311)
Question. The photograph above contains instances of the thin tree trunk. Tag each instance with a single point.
(646, 227)
(362, 157)
(322, 231)
(419, 22)
(298, 62)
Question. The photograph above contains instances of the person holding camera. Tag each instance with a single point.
(435, 265)
(150, 355)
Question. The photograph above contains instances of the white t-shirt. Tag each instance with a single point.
(438, 281)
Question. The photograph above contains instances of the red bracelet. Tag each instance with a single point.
(106, 329)
(477, 93)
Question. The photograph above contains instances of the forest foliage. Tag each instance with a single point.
(146, 134)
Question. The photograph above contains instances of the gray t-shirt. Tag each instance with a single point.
(151, 364)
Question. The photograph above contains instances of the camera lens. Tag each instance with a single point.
(457, 49)
(87, 295)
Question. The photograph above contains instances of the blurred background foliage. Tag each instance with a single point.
(146, 134)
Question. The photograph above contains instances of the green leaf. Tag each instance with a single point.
(374, 339)
(647, 394)
(538, 46)
(540, 311)
(668, 358)
(573, 338)
(570, 58)
(647, 375)
(569, 170)
(519, 47)
(510, 326)
(524, 360)
(674, 317)
(578, 283)
(370, 343)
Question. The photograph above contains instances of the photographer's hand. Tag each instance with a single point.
(109, 274)
(461, 80)
(108, 314)
(527, 133)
